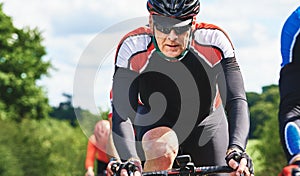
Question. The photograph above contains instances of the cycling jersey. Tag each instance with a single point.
(289, 86)
(186, 94)
(290, 39)
(94, 153)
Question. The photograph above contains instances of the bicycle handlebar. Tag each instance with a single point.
(205, 170)
(186, 167)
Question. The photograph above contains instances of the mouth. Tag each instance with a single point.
(172, 45)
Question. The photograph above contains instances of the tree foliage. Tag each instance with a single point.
(65, 111)
(262, 107)
(45, 147)
(87, 120)
(21, 65)
(264, 125)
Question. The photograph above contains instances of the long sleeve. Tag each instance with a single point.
(90, 154)
(236, 103)
(124, 110)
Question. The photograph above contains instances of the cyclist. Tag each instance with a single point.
(184, 75)
(97, 145)
(289, 86)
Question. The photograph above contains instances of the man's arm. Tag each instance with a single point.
(124, 103)
(111, 150)
(90, 155)
(236, 104)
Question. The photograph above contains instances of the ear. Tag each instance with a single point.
(151, 25)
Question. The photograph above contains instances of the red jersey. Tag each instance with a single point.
(94, 153)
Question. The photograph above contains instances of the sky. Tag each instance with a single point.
(80, 37)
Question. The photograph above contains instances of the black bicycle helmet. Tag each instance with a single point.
(180, 9)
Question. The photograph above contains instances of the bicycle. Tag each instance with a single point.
(296, 172)
(186, 168)
(292, 170)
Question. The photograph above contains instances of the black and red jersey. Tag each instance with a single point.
(194, 85)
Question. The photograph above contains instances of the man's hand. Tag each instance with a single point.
(112, 167)
(129, 168)
(90, 172)
(241, 162)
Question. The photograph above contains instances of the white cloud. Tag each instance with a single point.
(259, 64)
(254, 28)
(95, 67)
(70, 25)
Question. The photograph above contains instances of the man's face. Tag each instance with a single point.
(171, 35)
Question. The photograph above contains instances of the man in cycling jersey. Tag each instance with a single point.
(289, 86)
(96, 148)
(100, 147)
(173, 81)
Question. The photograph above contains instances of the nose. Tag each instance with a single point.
(172, 35)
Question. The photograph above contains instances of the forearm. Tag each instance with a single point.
(239, 123)
(124, 139)
(111, 149)
(125, 91)
(236, 104)
(90, 155)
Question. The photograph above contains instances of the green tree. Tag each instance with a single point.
(253, 98)
(272, 156)
(264, 120)
(9, 161)
(87, 120)
(41, 147)
(65, 111)
(21, 65)
(262, 107)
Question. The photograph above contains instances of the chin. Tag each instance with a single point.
(172, 54)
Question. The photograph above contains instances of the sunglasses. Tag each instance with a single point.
(167, 29)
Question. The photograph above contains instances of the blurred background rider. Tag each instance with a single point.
(96, 149)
